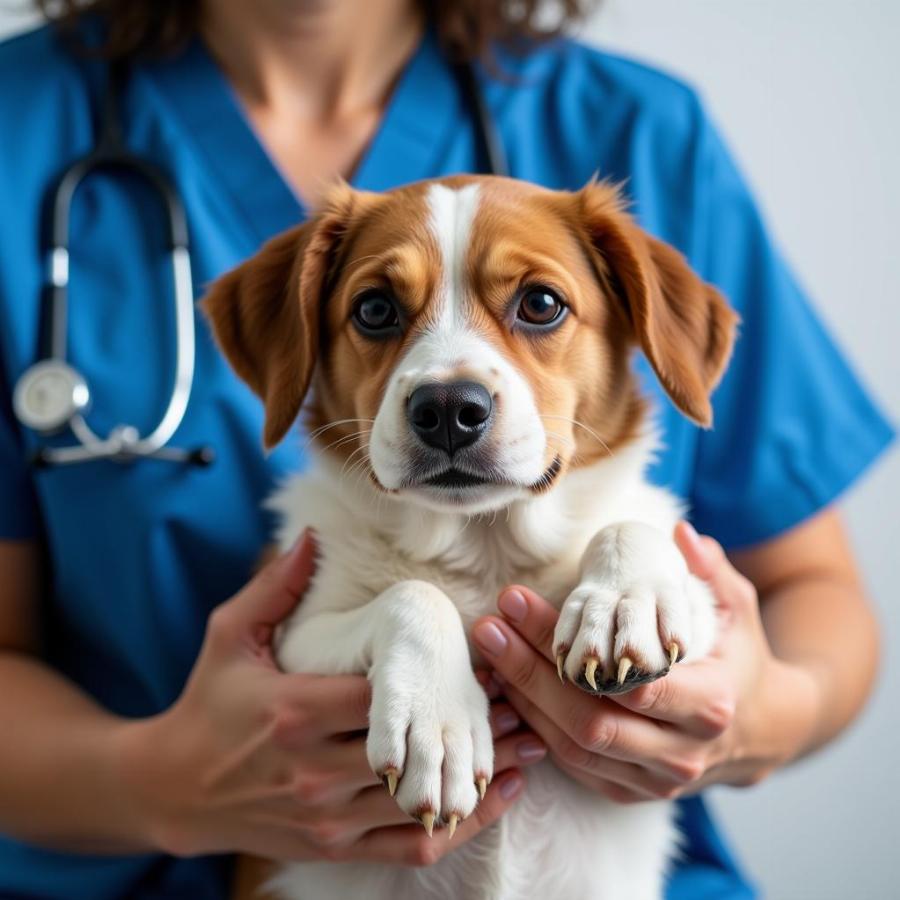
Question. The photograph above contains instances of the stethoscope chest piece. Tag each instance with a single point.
(48, 395)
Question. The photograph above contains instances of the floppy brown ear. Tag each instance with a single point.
(684, 326)
(265, 314)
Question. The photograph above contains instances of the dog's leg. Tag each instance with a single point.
(636, 611)
(429, 735)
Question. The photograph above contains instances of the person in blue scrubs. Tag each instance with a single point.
(131, 768)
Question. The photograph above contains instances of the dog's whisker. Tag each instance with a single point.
(333, 424)
(362, 468)
(352, 470)
(347, 439)
(363, 452)
(575, 459)
(560, 437)
(328, 425)
(357, 450)
(349, 469)
(578, 424)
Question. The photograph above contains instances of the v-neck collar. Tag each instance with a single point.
(422, 112)
(419, 115)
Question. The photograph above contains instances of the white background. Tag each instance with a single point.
(808, 95)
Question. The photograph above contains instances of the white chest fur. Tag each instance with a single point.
(559, 840)
(369, 541)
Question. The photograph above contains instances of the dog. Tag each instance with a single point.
(463, 350)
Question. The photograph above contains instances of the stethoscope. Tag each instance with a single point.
(52, 395)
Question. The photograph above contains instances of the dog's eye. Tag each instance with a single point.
(375, 312)
(540, 306)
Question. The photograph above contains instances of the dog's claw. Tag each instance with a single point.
(390, 779)
(624, 669)
(560, 659)
(590, 671)
(674, 653)
(481, 781)
(451, 825)
(427, 820)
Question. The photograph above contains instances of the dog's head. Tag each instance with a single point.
(467, 340)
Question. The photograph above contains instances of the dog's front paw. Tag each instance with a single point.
(633, 615)
(429, 733)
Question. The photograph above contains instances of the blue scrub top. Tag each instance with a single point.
(141, 553)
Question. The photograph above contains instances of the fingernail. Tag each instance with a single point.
(699, 547)
(531, 750)
(511, 786)
(304, 536)
(506, 722)
(491, 688)
(512, 604)
(490, 638)
(691, 534)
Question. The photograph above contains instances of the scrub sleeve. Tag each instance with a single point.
(793, 426)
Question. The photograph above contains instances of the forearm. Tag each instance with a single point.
(61, 780)
(817, 620)
(825, 626)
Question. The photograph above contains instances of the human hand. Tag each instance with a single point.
(253, 760)
(730, 718)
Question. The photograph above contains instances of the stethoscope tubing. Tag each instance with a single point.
(124, 442)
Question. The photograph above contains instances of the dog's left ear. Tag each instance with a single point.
(265, 314)
(684, 326)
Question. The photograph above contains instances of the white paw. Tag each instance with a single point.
(429, 733)
(635, 613)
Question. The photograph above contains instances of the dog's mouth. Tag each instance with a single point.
(458, 481)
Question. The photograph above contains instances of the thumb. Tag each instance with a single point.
(735, 595)
(704, 555)
(277, 588)
(531, 615)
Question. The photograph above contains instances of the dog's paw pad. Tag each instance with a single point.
(619, 678)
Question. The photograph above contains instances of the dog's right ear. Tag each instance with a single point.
(265, 314)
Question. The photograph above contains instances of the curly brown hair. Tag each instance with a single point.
(467, 29)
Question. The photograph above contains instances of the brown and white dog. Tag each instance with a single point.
(464, 349)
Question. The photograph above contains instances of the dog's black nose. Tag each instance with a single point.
(449, 416)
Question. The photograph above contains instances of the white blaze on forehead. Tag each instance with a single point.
(450, 347)
(451, 214)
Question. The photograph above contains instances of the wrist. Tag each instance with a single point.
(787, 714)
(138, 765)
